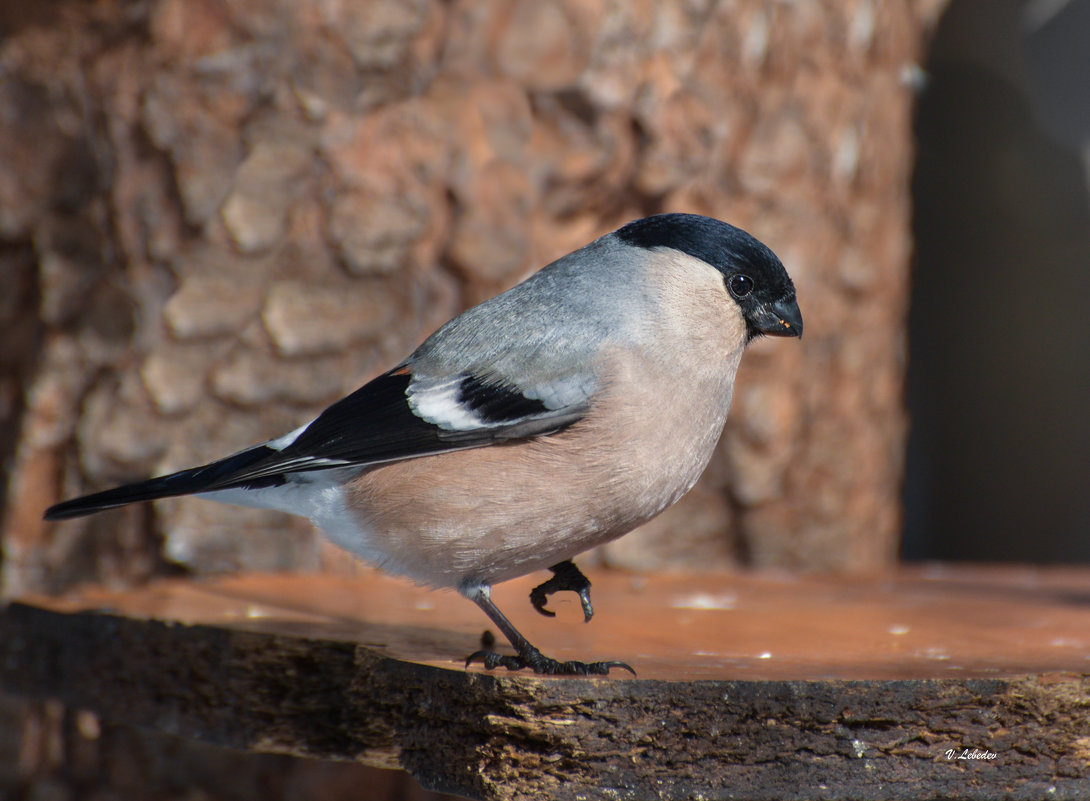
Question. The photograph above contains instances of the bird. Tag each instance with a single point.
(549, 419)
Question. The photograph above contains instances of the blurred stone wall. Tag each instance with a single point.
(216, 217)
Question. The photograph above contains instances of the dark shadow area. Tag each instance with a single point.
(999, 376)
(21, 333)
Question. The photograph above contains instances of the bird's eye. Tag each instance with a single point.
(740, 285)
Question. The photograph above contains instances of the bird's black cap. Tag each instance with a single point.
(768, 304)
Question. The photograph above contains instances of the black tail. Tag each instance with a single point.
(216, 475)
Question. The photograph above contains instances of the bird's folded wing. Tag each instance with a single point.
(398, 415)
(402, 416)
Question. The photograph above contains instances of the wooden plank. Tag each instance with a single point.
(749, 686)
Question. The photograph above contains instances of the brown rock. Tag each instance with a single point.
(683, 133)
(209, 304)
(375, 233)
(540, 46)
(490, 240)
(249, 378)
(379, 33)
(204, 149)
(268, 180)
(215, 538)
(303, 319)
(175, 376)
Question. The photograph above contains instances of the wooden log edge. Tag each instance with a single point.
(521, 737)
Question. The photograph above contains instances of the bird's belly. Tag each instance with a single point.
(494, 513)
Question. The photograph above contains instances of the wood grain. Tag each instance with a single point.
(757, 686)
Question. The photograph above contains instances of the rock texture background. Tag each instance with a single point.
(216, 217)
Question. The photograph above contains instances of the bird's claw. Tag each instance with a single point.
(544, 665)
(566, 576)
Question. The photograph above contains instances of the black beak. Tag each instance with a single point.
(780, 318)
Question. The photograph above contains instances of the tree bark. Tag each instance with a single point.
(970, 684)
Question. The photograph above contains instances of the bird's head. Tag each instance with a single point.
(752, 274)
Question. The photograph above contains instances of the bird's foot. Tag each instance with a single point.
(544, 665)
(566, 576)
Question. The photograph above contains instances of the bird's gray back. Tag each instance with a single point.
(550, 326)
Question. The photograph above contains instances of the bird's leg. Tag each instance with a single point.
(526, 655)
(566, 576)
